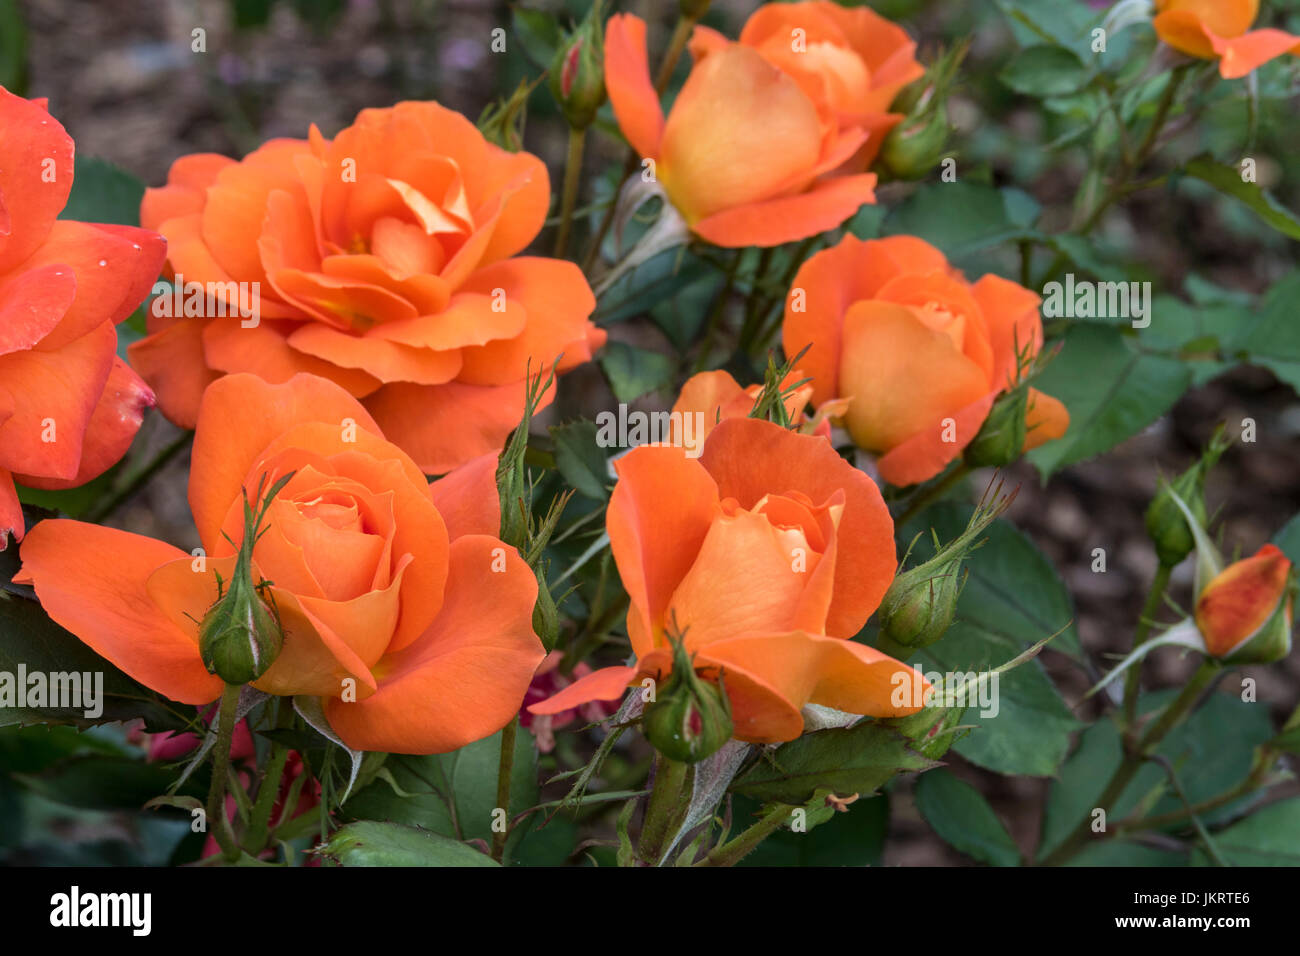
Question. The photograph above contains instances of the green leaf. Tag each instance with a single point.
(1268, 837)
(961, 816)
(368, 843)
(102, 192)
(580, 460)
(1288, 539)
(1012, 598)
(13, 47)
(29, 638)
(1211, 752)
(633, 371)
(538, 32)
(959, 218)
(858, 759)
(100, 782)
(855, 838)
(1227, 180)
(1042, 71)
(1112, 390)
(453, 794)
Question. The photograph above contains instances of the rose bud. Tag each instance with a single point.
(578, 71)
(1165, 523)
(1001, 439)
(240, 637)
(919, 605)
(690, 718)
(1244, 614)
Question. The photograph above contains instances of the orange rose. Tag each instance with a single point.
(385, 584)
(717, 396)
(769, 139)
(382, 261)
(919, 352)
(69, 406)
(1242, 599)
(767, 552)
(1220, 29)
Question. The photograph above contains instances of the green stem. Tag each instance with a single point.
(572, 176)
(504, 772)
(681, 33)
(216, 807)
(1133, 760)
(935, 491)
(141, 479)
(1132, 680)
(663, 807)
(715, 315)
(730, 853)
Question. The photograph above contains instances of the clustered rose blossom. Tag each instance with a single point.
(770, 138)
(764, 556)
(69, 406)
(1221, 29)
(387, 587)
(917, 353)
(384, 260)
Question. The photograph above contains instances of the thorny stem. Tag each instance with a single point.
(731, 852)
(572, 176)
(1132, 679)
(662, 808)
(504, 772)
(1133, 760)
(216, 808)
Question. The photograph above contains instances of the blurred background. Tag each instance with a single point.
(121, 76)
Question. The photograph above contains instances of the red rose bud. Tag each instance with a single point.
(240, 635)
(1166, 525)
(1244, 614)
(690, 717)
(578, 71)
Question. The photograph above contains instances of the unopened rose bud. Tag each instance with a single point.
(919, 605)
(578, 72)
(240, 635)
(546, 617)
(916, 145)
(1244, 614)
(1165, 521)
(1001, 439)
(690, 717)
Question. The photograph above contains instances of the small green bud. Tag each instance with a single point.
(240, 636)
(690, 717)
(1165, 522)
(1001, 439)
(578, 71)
(546, 617)
(916, 145)
(918, 607)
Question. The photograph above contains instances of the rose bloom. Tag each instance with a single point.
(1220, 29)
(384, 583)
(69, 406)
(914, 348)
(770, 138)
(717, 396)
(767, 553)
(1243, 600)
(383, 261)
